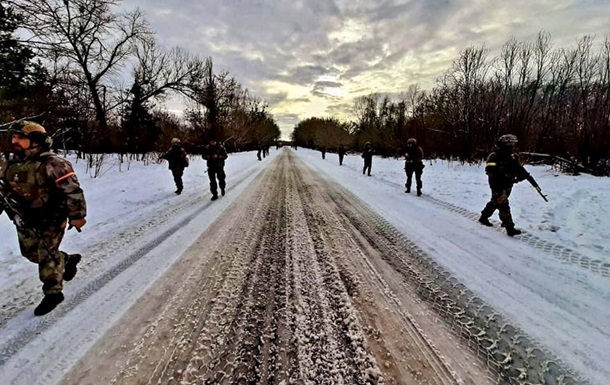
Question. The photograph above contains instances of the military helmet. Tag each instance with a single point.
(175, 141)
(412, 141)
(508, 139)
(367, 144)
(31, 130)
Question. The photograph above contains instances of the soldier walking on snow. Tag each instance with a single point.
(215, 155)
(41, 195)
(367, 155)
(178, 161)
(504, 169)
(341, 152)
(414, 164)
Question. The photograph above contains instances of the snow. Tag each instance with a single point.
(551, 282)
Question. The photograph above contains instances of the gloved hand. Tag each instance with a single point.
(78, 223)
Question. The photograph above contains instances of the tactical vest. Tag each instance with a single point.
(28, 181)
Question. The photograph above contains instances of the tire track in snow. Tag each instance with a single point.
(264, 297)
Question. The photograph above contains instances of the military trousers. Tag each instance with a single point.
(40, 245)
(213, 174)
(499, 201)
(177, 174)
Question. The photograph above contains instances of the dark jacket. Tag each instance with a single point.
(367, 154)
(215, 155)
(176, 157)
(341, 150)
(414, 157)
(504, 169)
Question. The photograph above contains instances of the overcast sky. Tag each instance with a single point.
(312, 57)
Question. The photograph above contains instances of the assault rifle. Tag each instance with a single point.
(10, 205)
(535, 185)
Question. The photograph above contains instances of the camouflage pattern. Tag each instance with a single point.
(48, 193)
(41, 246)
(503, 169)
(215, 156)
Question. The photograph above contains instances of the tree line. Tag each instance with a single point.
(556, 100)
(96, 77)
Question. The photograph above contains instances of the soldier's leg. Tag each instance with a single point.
(504, 209)
(489, 209)
(418, 174)
(221, 180)
(213, 185)
(409, 173)
(42, 248)
(177, 173)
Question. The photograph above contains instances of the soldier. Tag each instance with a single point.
(259, 152)
(41, 194)
(341, 152)
(215, 155)
(503, 169)
(178, 161)
(367, 155)
(414, 164)
(323, 151)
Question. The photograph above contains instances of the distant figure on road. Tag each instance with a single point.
(178, 161)
(323, 151)
(367, 155)
(341, 152)
(215, 155)
(503, 169)
(40, 193)
(414, 164)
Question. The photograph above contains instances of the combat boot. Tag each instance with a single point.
(418, 192)
(485, 221)
(222, 191)
(70, 269)
(214, 197)
(512, 231)
(408, 190)
(48, 303)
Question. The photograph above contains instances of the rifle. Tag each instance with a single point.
(11, 205)
(535, 185)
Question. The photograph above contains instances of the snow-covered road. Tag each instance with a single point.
(309, 272)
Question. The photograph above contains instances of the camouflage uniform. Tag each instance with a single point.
(215, 155)
(48, 193)
(178, 161)
(504, 169)
(414, 164)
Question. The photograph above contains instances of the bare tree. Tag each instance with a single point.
(159, 71)
(88, 36)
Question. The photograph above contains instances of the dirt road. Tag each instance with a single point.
(291, 285)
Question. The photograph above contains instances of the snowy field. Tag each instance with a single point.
(576, 218)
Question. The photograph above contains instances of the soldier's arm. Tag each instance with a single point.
(63, 179)
(223, 152)
(491, 166)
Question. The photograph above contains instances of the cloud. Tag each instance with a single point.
(315, 56)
